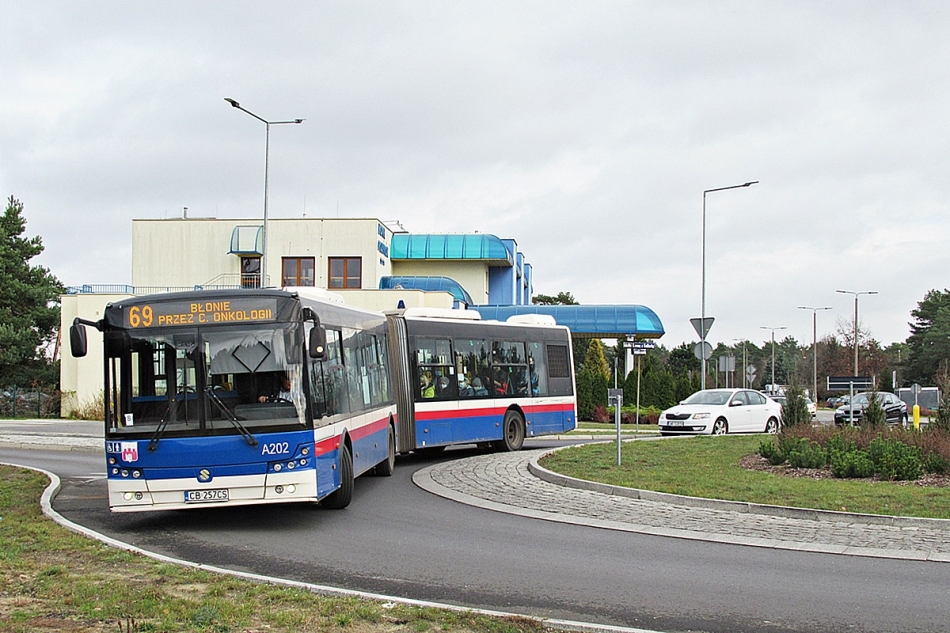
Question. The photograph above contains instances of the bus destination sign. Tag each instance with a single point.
(174, 313)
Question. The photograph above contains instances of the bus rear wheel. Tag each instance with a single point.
(341, 497)
(386, 467)
(512, 433)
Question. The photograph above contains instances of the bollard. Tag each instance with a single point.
(916, 417)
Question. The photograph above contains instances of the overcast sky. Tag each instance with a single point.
(586, 131)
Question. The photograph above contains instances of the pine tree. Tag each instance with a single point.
(29, 298)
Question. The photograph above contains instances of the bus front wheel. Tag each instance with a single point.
(341, 497)
(512, 433)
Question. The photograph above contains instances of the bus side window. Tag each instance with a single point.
(537, 370)
(328, 384)
(471, 367)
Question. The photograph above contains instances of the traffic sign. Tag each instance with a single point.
(750, 373)
(702, 350)
(644, 345)
(844, 382)
(702, 326)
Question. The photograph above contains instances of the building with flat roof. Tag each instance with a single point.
(363, 259)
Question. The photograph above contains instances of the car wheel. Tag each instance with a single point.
(771, 426)
(720, 427)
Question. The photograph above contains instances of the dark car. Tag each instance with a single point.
(895, 410)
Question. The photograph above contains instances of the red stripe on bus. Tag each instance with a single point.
(327, 446)
(368, 429)
(439, 414)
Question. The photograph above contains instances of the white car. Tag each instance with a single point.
(720, 411)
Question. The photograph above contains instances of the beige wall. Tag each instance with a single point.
(81, 379)
(182, 253)
(473, 276)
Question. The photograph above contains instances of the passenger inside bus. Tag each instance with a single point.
(500, 381)
(427, 389)
(478, 387)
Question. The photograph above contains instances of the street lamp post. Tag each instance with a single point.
(773, 348)
(814, 344)
(267, 125)
(851, 292)
(743, 360)
(703, 327)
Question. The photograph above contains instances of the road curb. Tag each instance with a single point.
(55, 485)
(735, 506)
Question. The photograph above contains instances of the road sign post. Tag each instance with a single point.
(836, 383)
(615, 397)
(702, 326)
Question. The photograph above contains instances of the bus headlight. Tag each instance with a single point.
(290, 465)
(276, 468)
(291, 489)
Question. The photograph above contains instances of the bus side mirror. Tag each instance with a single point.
(317, 345)
(77, 340)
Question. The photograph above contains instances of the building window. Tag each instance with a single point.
(250, 272)
(297, 271)
(345, 272)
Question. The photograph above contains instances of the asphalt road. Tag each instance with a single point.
(396, 539)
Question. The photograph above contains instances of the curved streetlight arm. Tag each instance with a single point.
(267, 124)
(702, 315)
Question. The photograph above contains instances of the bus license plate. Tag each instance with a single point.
(204, 496)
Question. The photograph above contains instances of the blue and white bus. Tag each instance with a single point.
(461, 380)
(222, 398)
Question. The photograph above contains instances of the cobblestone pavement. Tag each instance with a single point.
(504, 482)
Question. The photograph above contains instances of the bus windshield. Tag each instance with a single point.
(204, 381)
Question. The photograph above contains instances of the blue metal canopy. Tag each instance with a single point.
(445, 284)
(588, 321)
(474, 246)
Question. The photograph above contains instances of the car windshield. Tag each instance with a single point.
(713, 396)
(861, 398)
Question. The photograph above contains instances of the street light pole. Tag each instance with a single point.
(814, 344)
(773, 348)
(703, 312)
(743, 361)
(267, 125)
(851, 292)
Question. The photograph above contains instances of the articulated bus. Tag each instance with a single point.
(217, 398)
(461, 380)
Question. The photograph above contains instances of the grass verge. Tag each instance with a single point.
(709, 467)
(54, 580)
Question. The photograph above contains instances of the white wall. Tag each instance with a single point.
(81, 379)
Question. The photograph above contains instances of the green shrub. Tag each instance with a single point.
(936, 463)
(894, 460)
(808, 454)
(795, 408)
(770, 451)
(851, 464)
(874, 415)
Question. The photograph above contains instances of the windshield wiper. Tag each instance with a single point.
(231, 417)
(157, 435)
